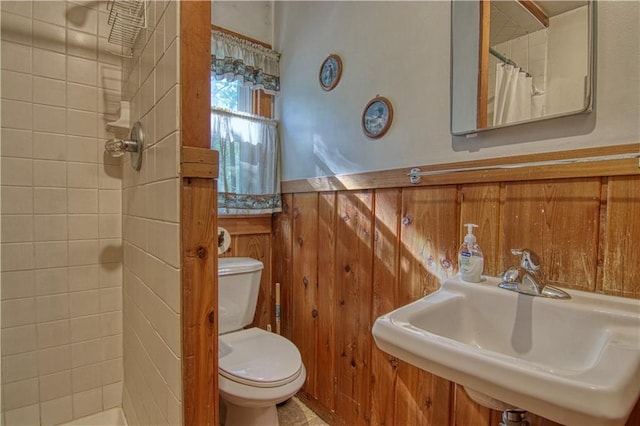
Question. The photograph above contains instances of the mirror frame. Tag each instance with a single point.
(589, 84)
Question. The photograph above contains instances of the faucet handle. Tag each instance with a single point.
(528, 260)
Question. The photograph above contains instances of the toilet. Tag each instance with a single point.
(257, 369)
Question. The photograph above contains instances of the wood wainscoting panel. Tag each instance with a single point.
(386, 241)
(282, 261)
(558, 220)
(354, 264)
(621, 270)
(305, 284)
(480, 204)
(428, 252)
(326, 300)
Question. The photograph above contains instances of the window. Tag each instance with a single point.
(231, 95)
(241, 72)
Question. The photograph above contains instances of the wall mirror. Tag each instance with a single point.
(517, 61)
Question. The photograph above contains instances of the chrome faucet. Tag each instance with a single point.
(527, 278)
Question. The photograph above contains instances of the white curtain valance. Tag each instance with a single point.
(236, 59)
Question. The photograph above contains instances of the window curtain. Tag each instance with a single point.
(233, 58)
(249, 181)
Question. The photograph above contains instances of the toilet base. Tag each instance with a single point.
(250, 416)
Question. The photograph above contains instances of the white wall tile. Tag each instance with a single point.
(110, 201)
(50, 11)
(16, 57)
(82, 97)
(112, 371)
(18, 7)
(56, 411)
(111, 275)
(82, 149)
(82, 18)
(49, 36)
(19, 367)
(51, 254)
(17, 115)
(87, 402)
(82, 44)
(83, 278)
(53, 308)
(83, 227)
(82, 175)
(16, 143)
(110, 250)
(17, 171)
(110, 226)
(49, 64)
(53, 334)
(17, 229)
(82, 71)
(25, 416)
(109, 177)
(56, 385)
(82, 303)
(110, 323)
(17, 312)
(82, 123)
(111, 347)
(49, 91)
(49, 173)
(86, 353)
(82, 200)
(112, 395)
(17, 200)
(49, 146)
(51, 281)
(17, 340)
(83, 252)
(16, 28)
(20, 394)
(17, 284)
(54, 360)
(49, 119)
(18, 256)
(50, 227)
(84, 328)
(50, 200)
(16, 86)
(87, 377)
(110, 299)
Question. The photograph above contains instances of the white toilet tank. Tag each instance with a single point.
(238, 287)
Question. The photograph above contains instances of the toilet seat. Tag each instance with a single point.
(258, 358)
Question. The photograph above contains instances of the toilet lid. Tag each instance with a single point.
(258, 358)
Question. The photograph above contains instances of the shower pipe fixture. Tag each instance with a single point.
(415, 173)
(133, 145)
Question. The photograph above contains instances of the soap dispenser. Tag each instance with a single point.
(470, 259)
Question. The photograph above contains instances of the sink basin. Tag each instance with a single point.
(576, 361)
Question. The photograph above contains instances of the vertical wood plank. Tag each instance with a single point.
(199, 274)
(199, 301)
(559, 220)
(258, 246)
(386, 245)
(467, 412)
(429, 234)
(326, 355)
(282, 261)
(354, 279)
(305, 279)
(480, 204)
(621, 274)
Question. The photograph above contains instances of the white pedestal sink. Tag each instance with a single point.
(576, 361)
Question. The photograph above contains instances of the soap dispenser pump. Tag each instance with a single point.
(470, 259)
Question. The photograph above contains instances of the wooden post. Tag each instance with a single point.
(198, 220)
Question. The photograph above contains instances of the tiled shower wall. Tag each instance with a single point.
(151, 230)
(61, 214)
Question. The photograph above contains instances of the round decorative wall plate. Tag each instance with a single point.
(377, 117)
(330, 72)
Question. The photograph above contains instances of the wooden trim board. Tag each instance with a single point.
(198, 217)
(397, 178)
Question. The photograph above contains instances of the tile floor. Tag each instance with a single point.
(295, 413)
